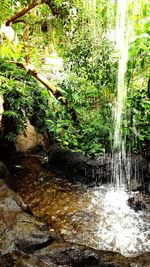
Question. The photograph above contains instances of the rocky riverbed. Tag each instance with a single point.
(43, 219)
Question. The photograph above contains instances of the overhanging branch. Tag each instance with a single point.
(30, 69)
(22, 12)
(32, 5)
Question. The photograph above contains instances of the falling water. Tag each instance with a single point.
(113, 224)
(120, 166)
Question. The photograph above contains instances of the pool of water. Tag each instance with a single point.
(98, 217)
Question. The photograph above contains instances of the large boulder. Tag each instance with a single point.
(77, 167)
(28, 140)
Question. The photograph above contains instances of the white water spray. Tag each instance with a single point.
(119, 227)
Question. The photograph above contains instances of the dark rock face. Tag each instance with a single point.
(6, 149)
(136, 204)
(147, 151)
(77, 167)
(4, 173)
(140, 174)
(34, 242)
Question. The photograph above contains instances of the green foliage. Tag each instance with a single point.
(89, 83)
(138, 105)
(79, 34)
(90, 80)
(4, 10)
(22, 97)
(138, 134)
(92, 136)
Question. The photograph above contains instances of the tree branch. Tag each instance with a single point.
(22, 12)
(27, 8)
(30, 69)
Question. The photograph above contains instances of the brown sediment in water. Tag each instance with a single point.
(52, 199)
(63, 206)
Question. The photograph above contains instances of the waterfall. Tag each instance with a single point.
(119, 159)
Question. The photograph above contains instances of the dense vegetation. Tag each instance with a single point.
(77, 34)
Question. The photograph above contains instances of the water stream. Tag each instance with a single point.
(98, 217)
(121, 167)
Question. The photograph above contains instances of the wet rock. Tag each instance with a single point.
(142, 260)
(61, 254)
(80, 256)
(136, 204)
(86, 261)
(77, 167)
(4, 173)
(140, 174)
(19, 259)
(95, 171)
(25, 207)
(18, 230)
(34, 242)
(110, 264)
(135, 185)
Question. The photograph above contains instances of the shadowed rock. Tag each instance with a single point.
(34, 242)
(135, 204)
(77, 167)
(4, 173)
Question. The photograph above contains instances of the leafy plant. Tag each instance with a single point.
(5, 11)
(22, 96)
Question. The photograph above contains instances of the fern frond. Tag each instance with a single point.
(4, 10)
